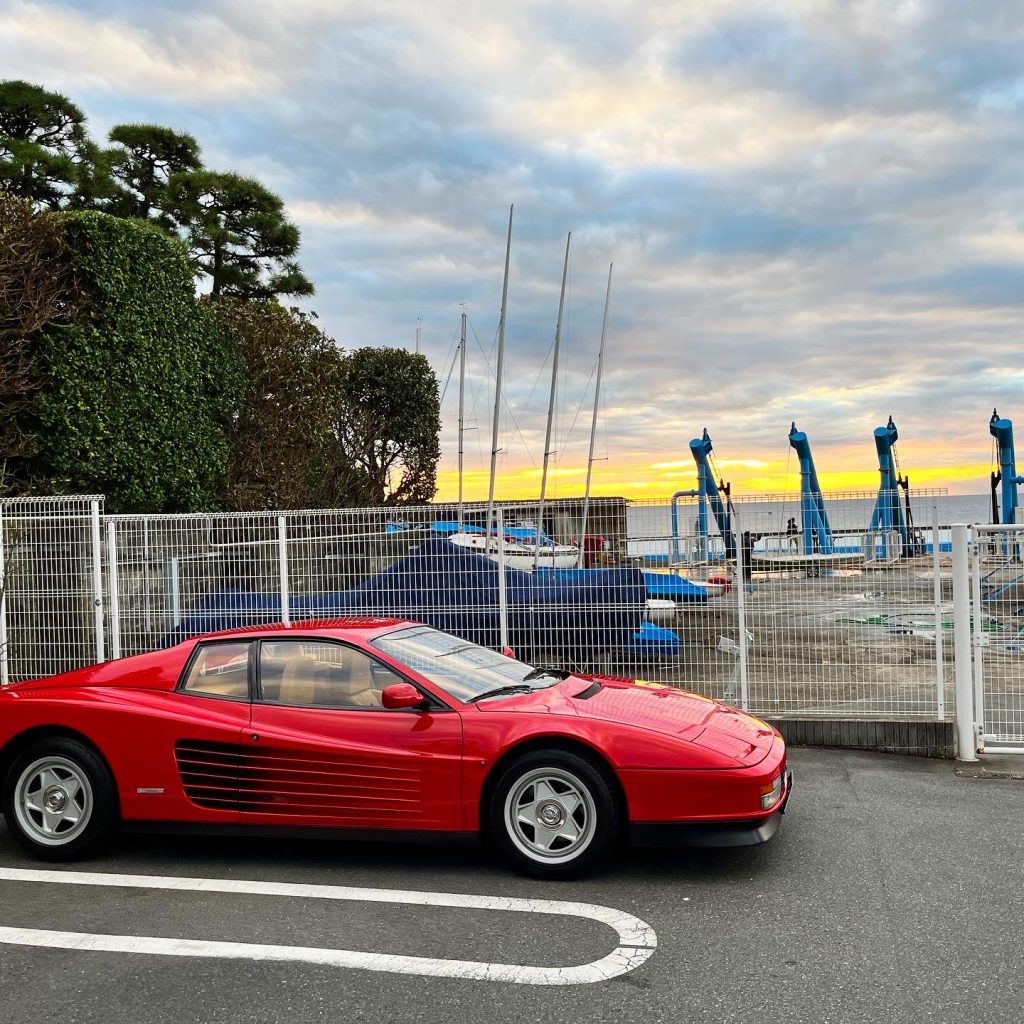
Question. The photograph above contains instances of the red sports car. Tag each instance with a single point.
(383, 728)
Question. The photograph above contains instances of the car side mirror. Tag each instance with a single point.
(401, 695)
(509, 653)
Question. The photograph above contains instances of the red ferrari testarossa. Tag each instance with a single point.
(381, 728)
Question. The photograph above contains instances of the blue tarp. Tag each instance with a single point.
(668, 587)
(652, 641)
(664, 586)
(456, 590)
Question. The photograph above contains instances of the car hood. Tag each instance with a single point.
(688, 716)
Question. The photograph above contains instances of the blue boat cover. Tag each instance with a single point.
(663, 586)
(652, 641)
(453, 589)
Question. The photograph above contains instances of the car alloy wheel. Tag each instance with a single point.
(555, 813)
(60, 799)
(53, 801)
(550, 815)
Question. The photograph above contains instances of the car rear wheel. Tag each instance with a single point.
(554, 814)
(59, 800)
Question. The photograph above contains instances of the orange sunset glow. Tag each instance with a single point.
(649, 479)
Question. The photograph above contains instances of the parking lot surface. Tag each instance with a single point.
(893, 892)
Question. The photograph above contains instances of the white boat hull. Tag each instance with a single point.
(519, 555)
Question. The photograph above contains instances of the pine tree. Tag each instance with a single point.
(238, 235)
(46, 155)
(143, 159)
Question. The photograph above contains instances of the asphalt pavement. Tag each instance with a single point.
(893, 892)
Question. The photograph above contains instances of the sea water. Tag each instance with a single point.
(650, 525)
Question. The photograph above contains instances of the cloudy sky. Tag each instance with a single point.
(815, 209)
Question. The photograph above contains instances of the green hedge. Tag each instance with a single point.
(135, 394)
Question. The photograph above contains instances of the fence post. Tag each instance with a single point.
(97, 580)
(114, 589)
(502, 595)
(172, 589)
(741, 609)
(940, 668)
(282, 563)
(5, 676)
(962, 646)
(975, 556)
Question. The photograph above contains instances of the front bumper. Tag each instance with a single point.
(744, 832)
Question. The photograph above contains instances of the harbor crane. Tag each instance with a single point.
(815, 527)
(710, 493)
(888, 516)
(1002, 431)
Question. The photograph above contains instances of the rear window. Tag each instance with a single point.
(220, 670)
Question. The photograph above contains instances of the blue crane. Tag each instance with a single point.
(709, 492)
(815, 527)
(1002, 431)
(888, 516)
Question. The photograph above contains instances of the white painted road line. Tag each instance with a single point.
(637, 941)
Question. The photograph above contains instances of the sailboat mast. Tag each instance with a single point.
(497, 378)
(593, 422)
(551, 405)
(462, 421)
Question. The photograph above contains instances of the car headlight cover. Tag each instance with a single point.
(770, 794)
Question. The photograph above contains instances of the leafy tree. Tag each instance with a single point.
(46, 155)
(283, 452)
(134, 395)
(237, 231)
(143, 159)
(238, 235)
(388, 421)
(37, 290)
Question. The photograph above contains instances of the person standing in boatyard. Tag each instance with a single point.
(792, 532)
(747, 542)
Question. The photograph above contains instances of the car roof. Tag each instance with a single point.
(366, 626)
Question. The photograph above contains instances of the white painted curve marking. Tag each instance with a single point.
(637, 940)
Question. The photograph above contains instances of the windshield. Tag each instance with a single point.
(463, 670)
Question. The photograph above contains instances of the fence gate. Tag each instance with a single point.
(51, 585)
(997, 637)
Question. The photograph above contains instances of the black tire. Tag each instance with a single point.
(576, 807)
(74, 785)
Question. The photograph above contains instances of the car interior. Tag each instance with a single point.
(327, 675)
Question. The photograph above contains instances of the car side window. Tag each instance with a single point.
(220, 670)
(312, 673)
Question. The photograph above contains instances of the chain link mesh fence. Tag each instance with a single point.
(51, 600)
(859, 626)
(997, 627)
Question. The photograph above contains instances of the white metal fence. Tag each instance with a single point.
(51, 586)
(997, 636)
(864, 629)
(175, 576)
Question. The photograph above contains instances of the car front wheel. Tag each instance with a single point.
(59, 800)
(554, 814)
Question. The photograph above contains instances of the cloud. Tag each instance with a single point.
(812, 207)
(183, 58)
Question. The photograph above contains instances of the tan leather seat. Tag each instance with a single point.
(344, 681)
(358, 688)
(298, 681)
(365, 698)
